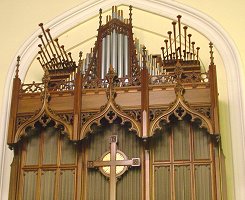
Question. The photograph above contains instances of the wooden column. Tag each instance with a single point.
(77, 103)
(144, 98)
(214, 93)
(14, 105)
(145, 126)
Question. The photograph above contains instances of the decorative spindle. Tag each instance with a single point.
(211, 53)
(100, 17)
(170, 43)
(185, 30)
(130, 14)
(17, 67)
(179, 24)
(175, 45)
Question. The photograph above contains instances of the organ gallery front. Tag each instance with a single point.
(119, 123)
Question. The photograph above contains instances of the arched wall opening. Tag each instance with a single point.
(169, 9)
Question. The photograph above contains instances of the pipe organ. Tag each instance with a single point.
(114, 45)
(136, 125)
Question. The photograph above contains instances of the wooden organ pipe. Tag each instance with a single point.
(193, 50)
(170, 43)
(189, 52)
(52, 41)
(166, 43)
(45, 35)
(40, 53)
(41, 37)
(175, 45)
(69, 54)
(38, 58)
(179, 25)
(40, 46)
(198, 48)
(185, 30)
(162, 48)
(63, 49)
(61, 53)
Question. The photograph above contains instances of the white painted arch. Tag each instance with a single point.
(166, 8)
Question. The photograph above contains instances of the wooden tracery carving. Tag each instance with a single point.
(44, 116)
(180, 108)
(110, 111)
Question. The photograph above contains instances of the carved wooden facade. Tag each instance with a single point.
(155, 94)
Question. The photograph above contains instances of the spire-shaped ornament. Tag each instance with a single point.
(211, 53)
(17, 67)
(111, 78)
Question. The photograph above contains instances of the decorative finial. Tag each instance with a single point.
(80, 61)
(100, 17)
(111, 75)
(45, 94)
(211, 53)
(144, 56)
(17, 67)
(130, 14)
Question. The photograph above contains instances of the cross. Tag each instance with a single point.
(113, 163)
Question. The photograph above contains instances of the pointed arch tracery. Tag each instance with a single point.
(180, 108)
(44, 116)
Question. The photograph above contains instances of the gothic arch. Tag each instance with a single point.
(198, 20)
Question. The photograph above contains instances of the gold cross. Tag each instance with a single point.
(113, 163)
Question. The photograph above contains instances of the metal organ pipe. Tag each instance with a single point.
(114, 50)
(120, 55)
(125, 55)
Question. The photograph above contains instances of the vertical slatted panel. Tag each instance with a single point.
(201, 143)
(67, 185)
(32, 151)
(47, 185)
(131, 179)
(182, 179)
(99, 144)
(50, 146)
(181, 141)
(203, 184)
(30, 178)
(162, 183)
(68, 152)
(162, 146)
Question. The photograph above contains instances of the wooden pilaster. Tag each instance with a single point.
(77, 105)
(214, 98)
(144, 100)
(14, 110)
